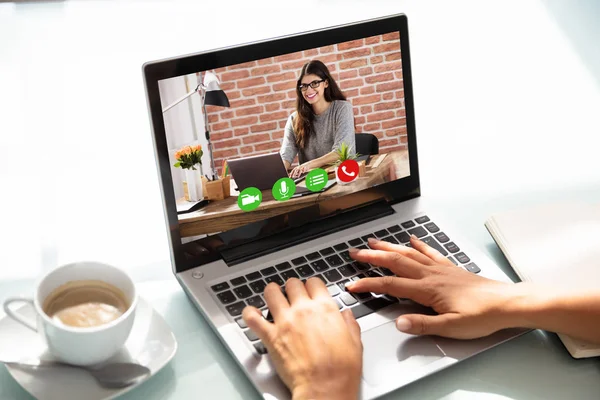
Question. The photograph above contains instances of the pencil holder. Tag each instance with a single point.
(217, 189)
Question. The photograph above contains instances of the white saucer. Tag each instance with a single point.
(151, 343)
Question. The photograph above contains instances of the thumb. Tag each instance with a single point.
(255, 321)
(352, 324)
(420, 324)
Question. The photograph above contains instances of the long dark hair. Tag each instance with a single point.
(303, 124)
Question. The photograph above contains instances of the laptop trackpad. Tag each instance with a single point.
(389, 353)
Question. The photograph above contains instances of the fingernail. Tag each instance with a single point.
(403, 324)
(349, 285)
(413, 236)
(352, 250)
(372, 240)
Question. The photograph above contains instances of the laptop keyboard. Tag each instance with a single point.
(334, 267)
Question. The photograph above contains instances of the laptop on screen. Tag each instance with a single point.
(224, 258)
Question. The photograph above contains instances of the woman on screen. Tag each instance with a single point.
(323, 120)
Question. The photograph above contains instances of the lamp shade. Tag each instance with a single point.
(214, 95)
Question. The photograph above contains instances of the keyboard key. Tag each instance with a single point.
(441, 237)
(253, 276)
(275, 278)
(268, 271)
(390, 239)
(381, 233)
(346, 256)
(313, 256)
(242, 292)
(219, 287)
(462, 258)
(236, 309)
(346, 270)
(452, 259)
(342, 284)
(319, 265)
(355, 242)
(260, 348)
(394, 229)
(433, 243)
(472, 267)
(419, 231)
(241, 323)
(369, 307)
(359, 276)
(305, 271)
(299, 261)
(258, 286)
(403, 237)
(256, 301)
(226, 297)
(422, 220)
(408, 224)
(283, 266)
(386, 271)
(366, 237)
(451, 247)
(327, 251)
(289, 274)
(334, 290)
(348, 299)
(372, 274)
(362, 296)
(338, 302)
(363, 246)
(332, 275)
(340, 246)
(361, 266)
(238, 281)
(334, 260)
(431, 227)
(251, 335)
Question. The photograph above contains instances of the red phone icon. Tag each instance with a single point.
(348, 171)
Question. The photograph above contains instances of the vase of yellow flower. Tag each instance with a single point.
(189, 158)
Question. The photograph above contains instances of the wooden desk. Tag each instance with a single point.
(225, 214)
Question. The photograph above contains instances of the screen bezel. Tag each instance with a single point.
(153, 72)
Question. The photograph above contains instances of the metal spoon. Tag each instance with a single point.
(114, 375)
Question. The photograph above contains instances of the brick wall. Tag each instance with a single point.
(262, 96)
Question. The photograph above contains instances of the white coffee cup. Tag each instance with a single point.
(76, 345)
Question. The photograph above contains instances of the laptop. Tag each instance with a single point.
(261, 171)
(228, 267)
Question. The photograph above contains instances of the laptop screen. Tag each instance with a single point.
(265, 141)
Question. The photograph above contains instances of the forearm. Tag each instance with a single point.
(574, 313)
(312, 393)
(323, 161)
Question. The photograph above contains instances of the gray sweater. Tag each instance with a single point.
(331, 128)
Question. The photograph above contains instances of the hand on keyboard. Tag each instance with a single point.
(469, 306)
(316, 349)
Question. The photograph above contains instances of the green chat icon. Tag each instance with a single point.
(316, 179)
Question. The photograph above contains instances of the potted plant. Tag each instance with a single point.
(189, 158)
(343, 153)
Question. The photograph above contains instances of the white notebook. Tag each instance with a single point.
(554, 244)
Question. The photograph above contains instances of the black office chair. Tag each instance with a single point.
(366, 143)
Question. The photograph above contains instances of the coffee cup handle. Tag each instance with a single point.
(15, 315)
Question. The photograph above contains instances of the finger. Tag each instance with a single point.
(352, 325)
(428, 251)
(316, 289)
(420, 324)
(295, 290)
(276, 301)
(400, 264)
(392, 285)
(401, 249)
(255, 321)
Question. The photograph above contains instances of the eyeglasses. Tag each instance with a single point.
(314, 84)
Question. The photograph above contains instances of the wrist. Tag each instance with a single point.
(524, 305)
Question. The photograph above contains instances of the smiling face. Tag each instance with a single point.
(314, 95)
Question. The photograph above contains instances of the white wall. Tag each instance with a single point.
(184, 123)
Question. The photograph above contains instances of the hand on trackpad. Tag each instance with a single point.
(389, 353)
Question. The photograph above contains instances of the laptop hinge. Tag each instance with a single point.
(300, 234)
